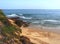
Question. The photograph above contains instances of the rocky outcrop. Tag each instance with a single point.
(19, 22)
(10, 32)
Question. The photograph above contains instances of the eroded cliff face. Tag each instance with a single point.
(10, 31)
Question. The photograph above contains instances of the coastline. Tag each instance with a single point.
(43, 28)
(40, 36)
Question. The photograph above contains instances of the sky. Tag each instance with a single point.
(29, 4)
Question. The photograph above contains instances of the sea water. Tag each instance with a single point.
(39, 17)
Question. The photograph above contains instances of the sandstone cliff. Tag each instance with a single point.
(10, 32)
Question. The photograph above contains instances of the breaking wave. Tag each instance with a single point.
(19, 15)
(11, 15)
(49, 23)
(51, 20)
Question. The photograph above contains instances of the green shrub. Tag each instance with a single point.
(7, 28)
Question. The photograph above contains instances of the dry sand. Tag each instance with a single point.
(41, 37)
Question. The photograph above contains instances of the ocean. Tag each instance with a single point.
(38, 17)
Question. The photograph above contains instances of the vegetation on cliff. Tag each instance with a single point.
(11, 33)
(7, 29)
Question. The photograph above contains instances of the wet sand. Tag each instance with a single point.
(45, 28)
(39, 36)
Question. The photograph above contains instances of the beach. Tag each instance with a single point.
(38, 27)
(39, 36)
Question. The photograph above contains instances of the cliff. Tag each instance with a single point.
(10, 32)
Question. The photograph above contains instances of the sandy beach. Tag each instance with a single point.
(41, 37)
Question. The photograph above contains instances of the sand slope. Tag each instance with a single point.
(41, 37)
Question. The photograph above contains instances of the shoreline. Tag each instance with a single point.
(41, 36)
(48, 29)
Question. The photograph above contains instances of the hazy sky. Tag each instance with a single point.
(29, 4)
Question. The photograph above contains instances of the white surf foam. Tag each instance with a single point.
(36, 22)
(52, 20)
(12, 15)
(23, 17)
